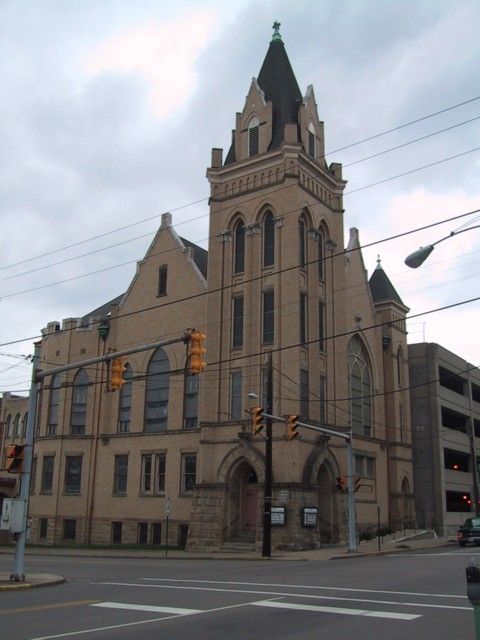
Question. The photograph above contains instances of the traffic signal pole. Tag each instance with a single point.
(347, 436)
(18, 574)
(23, 498)
(267, 495)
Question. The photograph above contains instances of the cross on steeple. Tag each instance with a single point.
(379, 260)
(276, 33)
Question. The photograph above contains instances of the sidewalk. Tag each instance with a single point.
(337, 552)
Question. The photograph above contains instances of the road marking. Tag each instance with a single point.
(288, 594)
(147, 607)
(53, 605)
(339, 610)
(306, 586)
(133, 624)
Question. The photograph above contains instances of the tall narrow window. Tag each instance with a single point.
(33, 475)
(321, 326)
(78, 415)
(191, 402)
(125, 401)
(189, 472)
(236, 395)
(304, 399)
(237, 330)
(24, 424)
(239, 248)
(268, 240)
(73, 474)
(156, 393)
(53, 404)
(9, 426)
(116, 533)
(311, 140)
(400, 367)
(162, 280)
(302, 242)
(360, 388)
(321, 255)
(253, 136)
(47, 474)
(303, 317)
(69, 529)
(16, 426)
(322, 397)
(268, 317)
(120, 474)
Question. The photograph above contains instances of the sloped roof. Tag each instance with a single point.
(278, 82)
(200, 256)
(100, 311)
(381, 287)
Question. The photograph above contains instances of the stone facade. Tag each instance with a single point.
(281, 284)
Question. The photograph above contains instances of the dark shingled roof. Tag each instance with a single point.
(381, 287)
(101, 311)
(200, 256)
(278, 82)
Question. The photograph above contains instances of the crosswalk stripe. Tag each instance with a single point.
(340, 610)
(146, 607)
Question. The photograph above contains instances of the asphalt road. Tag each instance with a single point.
(407, 596)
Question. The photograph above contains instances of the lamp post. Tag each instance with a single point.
(419, 256)
(413, 261)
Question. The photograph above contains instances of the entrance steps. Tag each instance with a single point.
(238, 545)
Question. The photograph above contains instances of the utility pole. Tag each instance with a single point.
(21, 537)
(267, 495)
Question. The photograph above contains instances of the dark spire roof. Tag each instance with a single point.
(381, 287)
(278, 82)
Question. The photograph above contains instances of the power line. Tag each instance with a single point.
(198, 201)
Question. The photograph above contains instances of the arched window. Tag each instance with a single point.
(125, 401)
(253, 135)
(24, 424)
(16, 426)
(239, 248)
(53, 404)
(78, 416)
(311, 140)
(360, 387)
(268, 240)
(321, 254)
(302, 241)
(8, 426)
(156, 393)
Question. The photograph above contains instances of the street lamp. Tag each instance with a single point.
(419, 256)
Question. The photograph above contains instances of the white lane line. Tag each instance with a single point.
(147, 607)
(346, 612)
(308, 586)
(134, 624)
(288, 594)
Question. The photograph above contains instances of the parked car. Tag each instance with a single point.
(469, 532)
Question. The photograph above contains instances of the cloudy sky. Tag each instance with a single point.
(109, 111)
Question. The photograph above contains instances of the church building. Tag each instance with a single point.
(279, 284)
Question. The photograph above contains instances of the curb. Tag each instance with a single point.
(47, 582)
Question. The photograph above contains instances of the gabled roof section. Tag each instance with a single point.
(381, 287)
(278, 82)
(200, 256)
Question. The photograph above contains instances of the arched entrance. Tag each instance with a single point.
(327, 507)
(242, 500)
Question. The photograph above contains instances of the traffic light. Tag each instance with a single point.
(341, 483)
(196, 352)
(257, 420)
(292, 426)
(14, 458)
(116, 378)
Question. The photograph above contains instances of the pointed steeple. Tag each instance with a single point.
(278, 82)
(381, 287)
